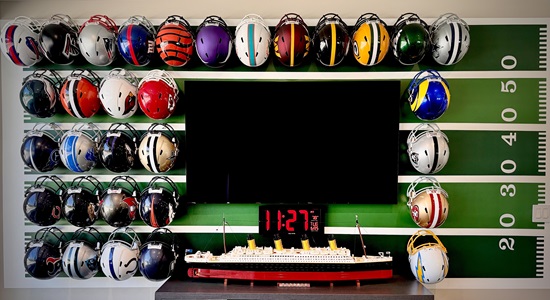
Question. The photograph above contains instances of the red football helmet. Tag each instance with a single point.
(175, 41)
(291, 40)
(158, 94)
(80, 94)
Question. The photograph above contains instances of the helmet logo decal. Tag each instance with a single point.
(70, 48)
(14, 56)
(53, 264)
(109, 46)
(130, 102)
(56, 212)
(415, 213)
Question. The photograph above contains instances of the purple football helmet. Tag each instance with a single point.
(214, 42)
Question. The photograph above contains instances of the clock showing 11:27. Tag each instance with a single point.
(290, 219)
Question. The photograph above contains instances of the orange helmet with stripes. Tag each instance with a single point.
(175, 41)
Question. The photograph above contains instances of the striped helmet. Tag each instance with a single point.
(19, 41)
(291, 40)
(427, 202)
(331, 40)
(370, 40)
(136, 41)
(158, 202)
(428, 148)
(81, 257)
(450, 39)
(79, 94)
(252, 41)
(158, 150)
(120, 254)
(78, 147)
(175, 41)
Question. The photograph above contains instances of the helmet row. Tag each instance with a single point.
(119, 258)
(82, 147)
(83, 94)
(61, 40)
(85, 200)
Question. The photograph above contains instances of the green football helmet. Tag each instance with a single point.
(410, 39)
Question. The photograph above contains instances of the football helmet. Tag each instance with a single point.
(158, 94)
(428, 205)
(428, 148)
(120, 254)
(175, 41)
(97, 40)
(370, 39)
(136, 41)
(118, 205)
(450, 39)
(158, 150)
(428, 260)
(428, 95)
(252, 41)
(58, 40)
(40, 147)
(44, 252)
(42, 204)
(410, 39)
(79, 94)
(214, 42)
(81, 256)
(158, 202)
(331, 40)
(39, 93)
(158, 255)
(118, 93)
(78, 147)
(118, 149)
(19, 41)
(81, 201)
(291, 40)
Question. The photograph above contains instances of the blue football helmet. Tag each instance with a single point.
(158, 255)
(81, 256)
(40, 147)
(43, 253)
(78, 147)
(428, 95)
(136, 41)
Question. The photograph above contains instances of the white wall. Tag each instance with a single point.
(308, 9)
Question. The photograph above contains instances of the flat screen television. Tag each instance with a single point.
(268, 142)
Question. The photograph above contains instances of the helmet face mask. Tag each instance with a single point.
(428, 261)
(429, 206)
(136, 41)
(97, 40)
(19, 41)
(370, 40)
(252, 41)
(40, 148)
(42, 204)
(158, 150)
(79, 94)
(81, 256)
(331, 40)
(291, 40)
(410, 39)
(39, 93)
(175, 41)
(428, 148)
(450, 39)
(43, 253)
(214, 42)
(118, 93)
(81, 201)
(118, 149)
(158, 255)
(118, 204)
(428, 95)
(158, 202)
(58, 40)
(120, 254)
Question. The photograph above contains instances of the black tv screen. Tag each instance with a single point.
(292, 141)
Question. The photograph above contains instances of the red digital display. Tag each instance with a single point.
(290, 219)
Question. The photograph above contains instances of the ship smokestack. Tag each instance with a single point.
(278, 242)
(332, 242)
(305, 242)
(251, 242)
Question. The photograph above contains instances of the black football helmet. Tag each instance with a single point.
(118, 203)
(331, 40)
(158, 202)
(39, 93)
(58, 39)
(158, 255)
(40, 148)
(42, 204)
(118, 150)
(80, 201)
(43, 253)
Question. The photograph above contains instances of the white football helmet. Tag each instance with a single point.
(120, 254)
(428, 148)
(429, 205)
(252, 41)
(118, 93)
(19, 41)
(81, 257)
(97, 40)
(450, 39)
(428, 261)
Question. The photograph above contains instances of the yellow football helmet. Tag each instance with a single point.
(370, 40)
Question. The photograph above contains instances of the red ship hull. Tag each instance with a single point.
(289, 276)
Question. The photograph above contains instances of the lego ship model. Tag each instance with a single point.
(308, 264)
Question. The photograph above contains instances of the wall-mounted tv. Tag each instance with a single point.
(292, 141)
